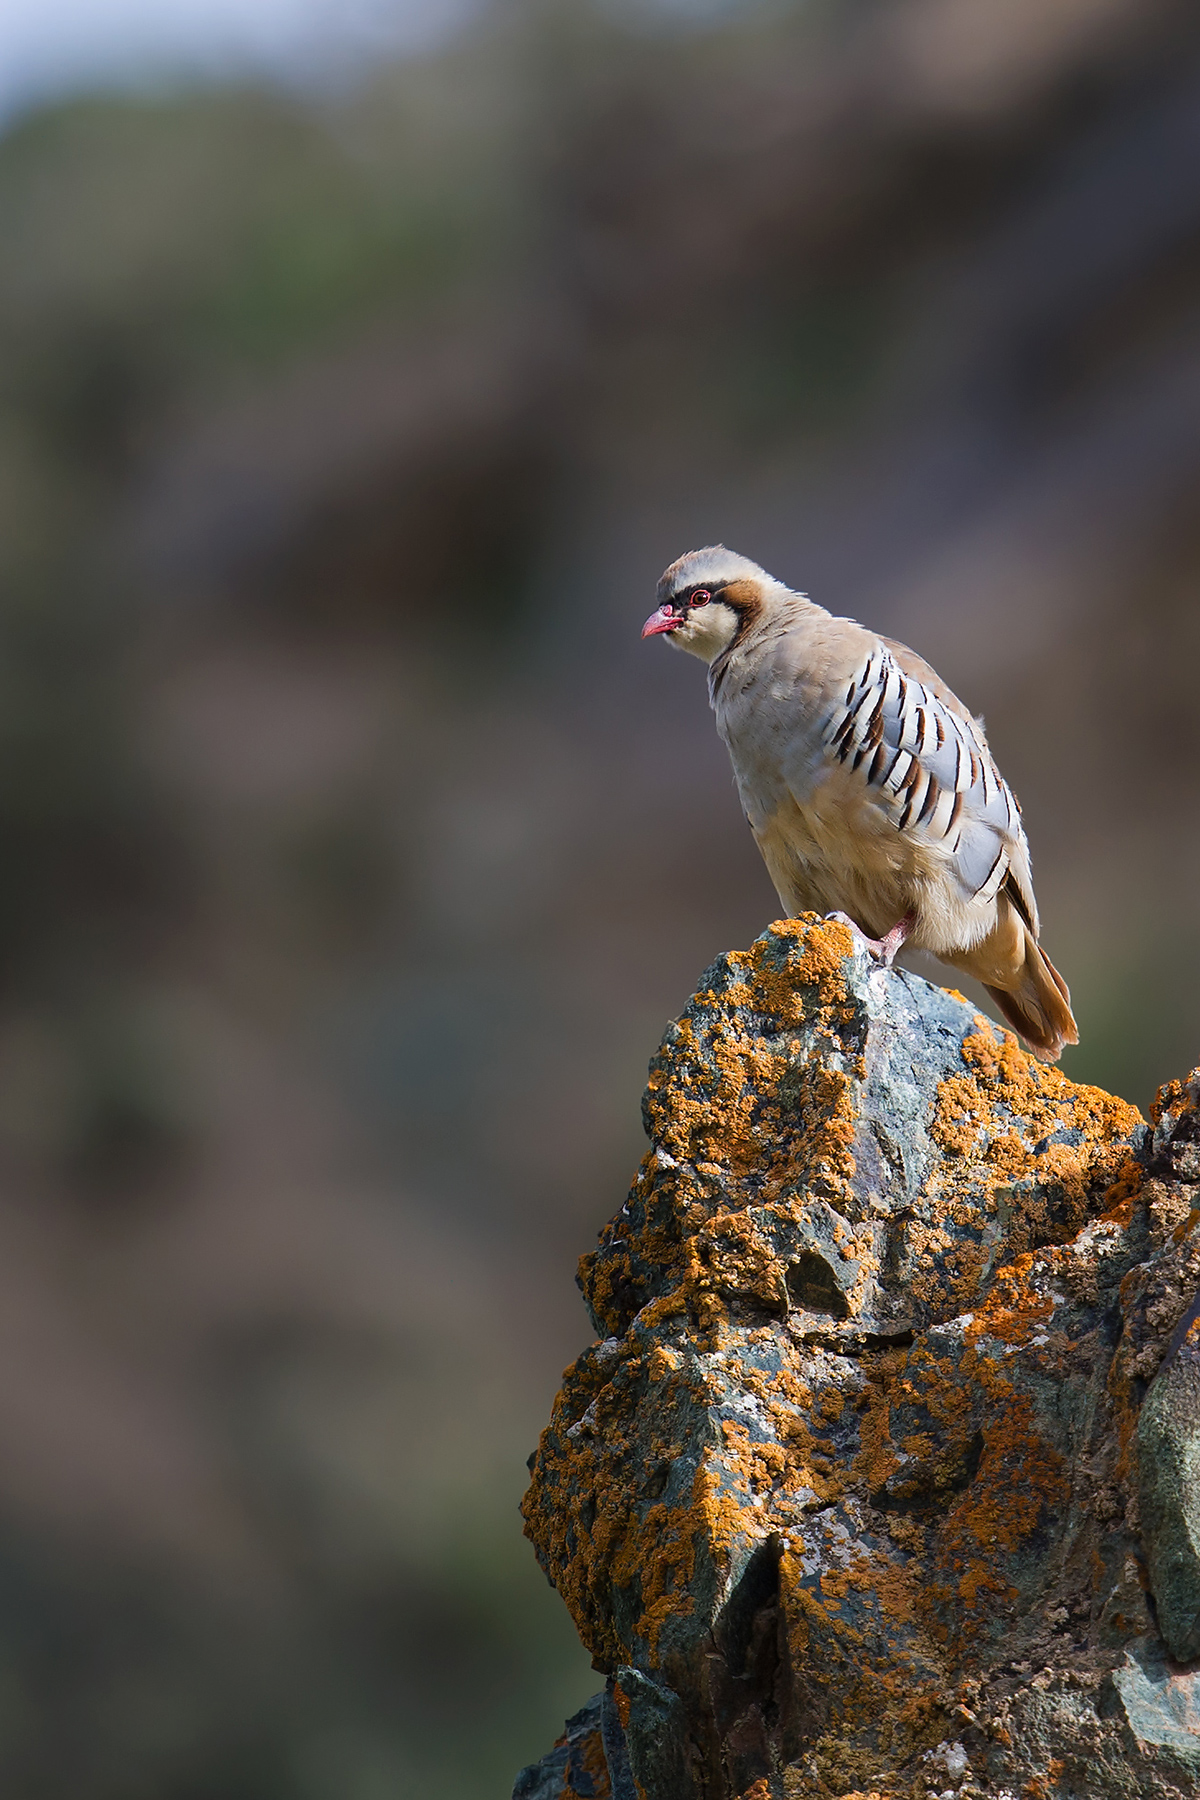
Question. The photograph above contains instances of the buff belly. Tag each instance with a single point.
(844, 855)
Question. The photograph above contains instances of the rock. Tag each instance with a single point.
(1168, 1442)
(1160, 1702)
(845, 1499)
(1168, 1431)
(576, 1768)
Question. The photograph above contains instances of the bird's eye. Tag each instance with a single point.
(701, 597)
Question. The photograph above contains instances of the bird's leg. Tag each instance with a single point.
(896, 938)
(885, 948)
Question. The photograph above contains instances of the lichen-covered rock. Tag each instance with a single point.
(845, 1500)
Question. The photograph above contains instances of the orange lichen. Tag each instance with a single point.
(586, 1776)
(1175, 1098)
(738, 1120)
(1007, 1102)
(1014, 1308)
(1187, 1227)
(1119, 1198)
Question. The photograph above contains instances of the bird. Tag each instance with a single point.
(868, 785)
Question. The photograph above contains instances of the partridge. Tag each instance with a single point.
(869, 787)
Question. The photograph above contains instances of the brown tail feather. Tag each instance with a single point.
(1038, 1005)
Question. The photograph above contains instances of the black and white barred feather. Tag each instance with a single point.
(930, 769)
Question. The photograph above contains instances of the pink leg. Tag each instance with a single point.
(885, 948)
(896, 939)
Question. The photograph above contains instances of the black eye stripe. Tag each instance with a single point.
(704, 594)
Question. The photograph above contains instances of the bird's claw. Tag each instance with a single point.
(884, 948)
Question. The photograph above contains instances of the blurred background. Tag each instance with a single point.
(360, 369)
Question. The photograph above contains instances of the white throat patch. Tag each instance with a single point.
(708, 630)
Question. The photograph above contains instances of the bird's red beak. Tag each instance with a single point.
(662, 620)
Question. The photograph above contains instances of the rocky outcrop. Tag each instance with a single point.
(883, 1477)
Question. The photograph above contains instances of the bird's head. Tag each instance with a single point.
(708, 598)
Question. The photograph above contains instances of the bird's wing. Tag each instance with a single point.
(1018, 883)
(926, 762)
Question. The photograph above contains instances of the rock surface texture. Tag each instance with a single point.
(884, 1476)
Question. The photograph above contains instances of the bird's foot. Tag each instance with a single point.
(896, 939)
(885, 948)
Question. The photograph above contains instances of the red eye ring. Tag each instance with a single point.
(701, 597)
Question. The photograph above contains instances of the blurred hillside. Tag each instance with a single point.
(356, 850)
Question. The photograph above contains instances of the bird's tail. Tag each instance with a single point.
(1037, 1004)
